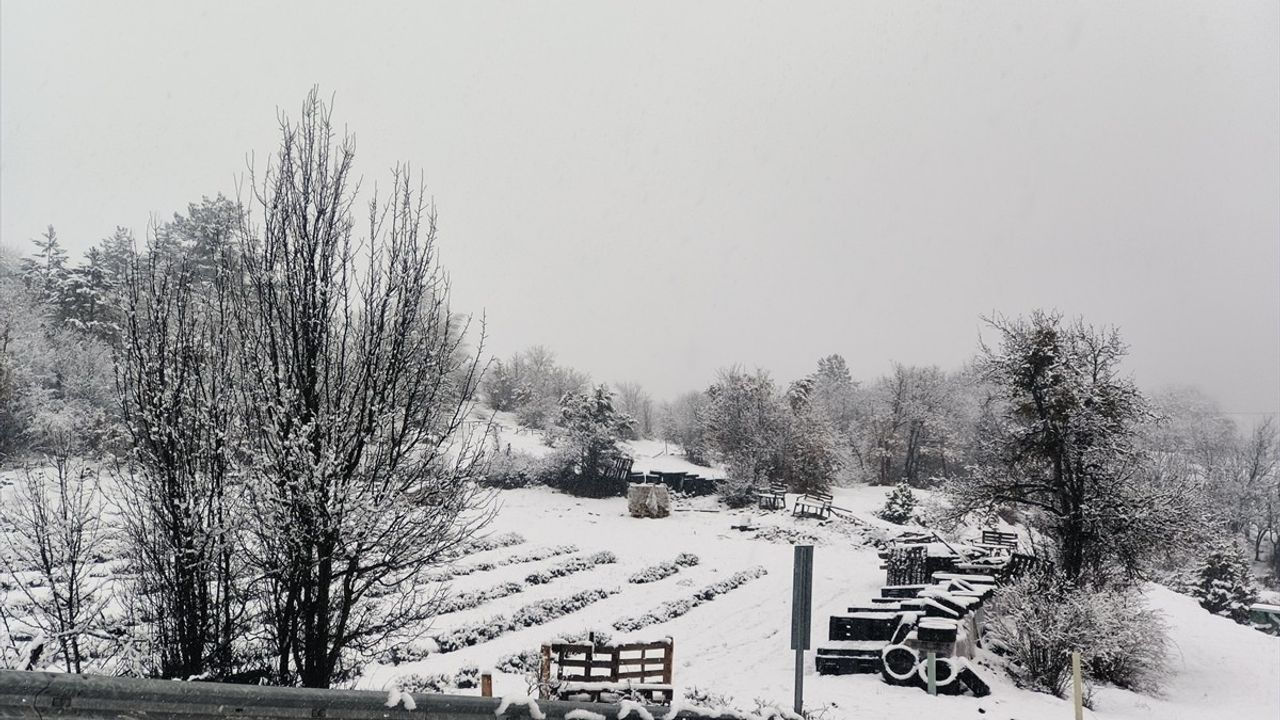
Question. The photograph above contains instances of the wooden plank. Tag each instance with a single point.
(585, 663)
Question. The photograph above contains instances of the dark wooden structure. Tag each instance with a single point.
(678, 482)
(586, 672)
(813, 504)
(995, 538)
(775, 498)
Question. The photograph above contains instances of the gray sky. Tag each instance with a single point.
(655, 190)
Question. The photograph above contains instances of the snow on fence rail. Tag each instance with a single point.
(40, 694)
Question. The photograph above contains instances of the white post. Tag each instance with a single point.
(1077, 685)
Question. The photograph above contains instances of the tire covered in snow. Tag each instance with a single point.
(945, 670)
(900, 664)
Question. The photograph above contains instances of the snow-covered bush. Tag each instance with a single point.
(1037, 622)
(1223, 584)
(512, 470)
(550, 609)
(485, 566)
(675, 608)
(419, 683)
(899, 506)
(543, 611)
(468, 600)
(484, 544)
(571, 566)
(662, 570)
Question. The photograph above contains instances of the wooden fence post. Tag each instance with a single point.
(486, 685)
(933, 672)
(1077, 685)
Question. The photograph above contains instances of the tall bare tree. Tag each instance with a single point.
(176, 379)
(357, 383)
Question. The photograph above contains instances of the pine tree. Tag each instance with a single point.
(1223, 584)
(899, 506)
(592, 427)
(45, 271)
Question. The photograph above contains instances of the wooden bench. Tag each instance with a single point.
(814, 504)
(775, 498)
(996, 538)
(607, 673)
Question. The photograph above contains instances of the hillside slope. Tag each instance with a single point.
(737, 644)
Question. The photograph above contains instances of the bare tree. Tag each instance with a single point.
(54, 527)
(176, 379)
(357, 383)
(634, 401)
(1063, 446)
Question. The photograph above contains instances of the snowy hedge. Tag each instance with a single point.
(484, 544)
(528, 557)
(663, 570)
(675, 608)
(528, 616)
(571, 566)
(468, 600)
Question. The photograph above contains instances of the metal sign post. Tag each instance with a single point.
(801, 614)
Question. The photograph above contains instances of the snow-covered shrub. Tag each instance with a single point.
(511, 470)
(662, 570)
(525, 661)
(419, 683)
(1223, 584)
(573, 565)
(899, 506)
(490, 543)
(704, 698)
(675, 608)
(528, 557)
(468, 600)
(467, 677)
(405, 652)
(543, 611)
(550, 609)
(738, 490)
(1037, 622)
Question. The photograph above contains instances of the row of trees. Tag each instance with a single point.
(913, 425)
(533, 385)
(296, 448)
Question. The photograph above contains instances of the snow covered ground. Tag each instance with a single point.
(737, 644)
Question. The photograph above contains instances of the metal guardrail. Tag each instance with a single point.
(58, 695)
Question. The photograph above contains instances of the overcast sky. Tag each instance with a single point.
(655, 190)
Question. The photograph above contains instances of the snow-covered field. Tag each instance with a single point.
(737, 644)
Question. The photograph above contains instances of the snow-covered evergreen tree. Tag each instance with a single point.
(899, 506)
(591, 428)
(1223, 583)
